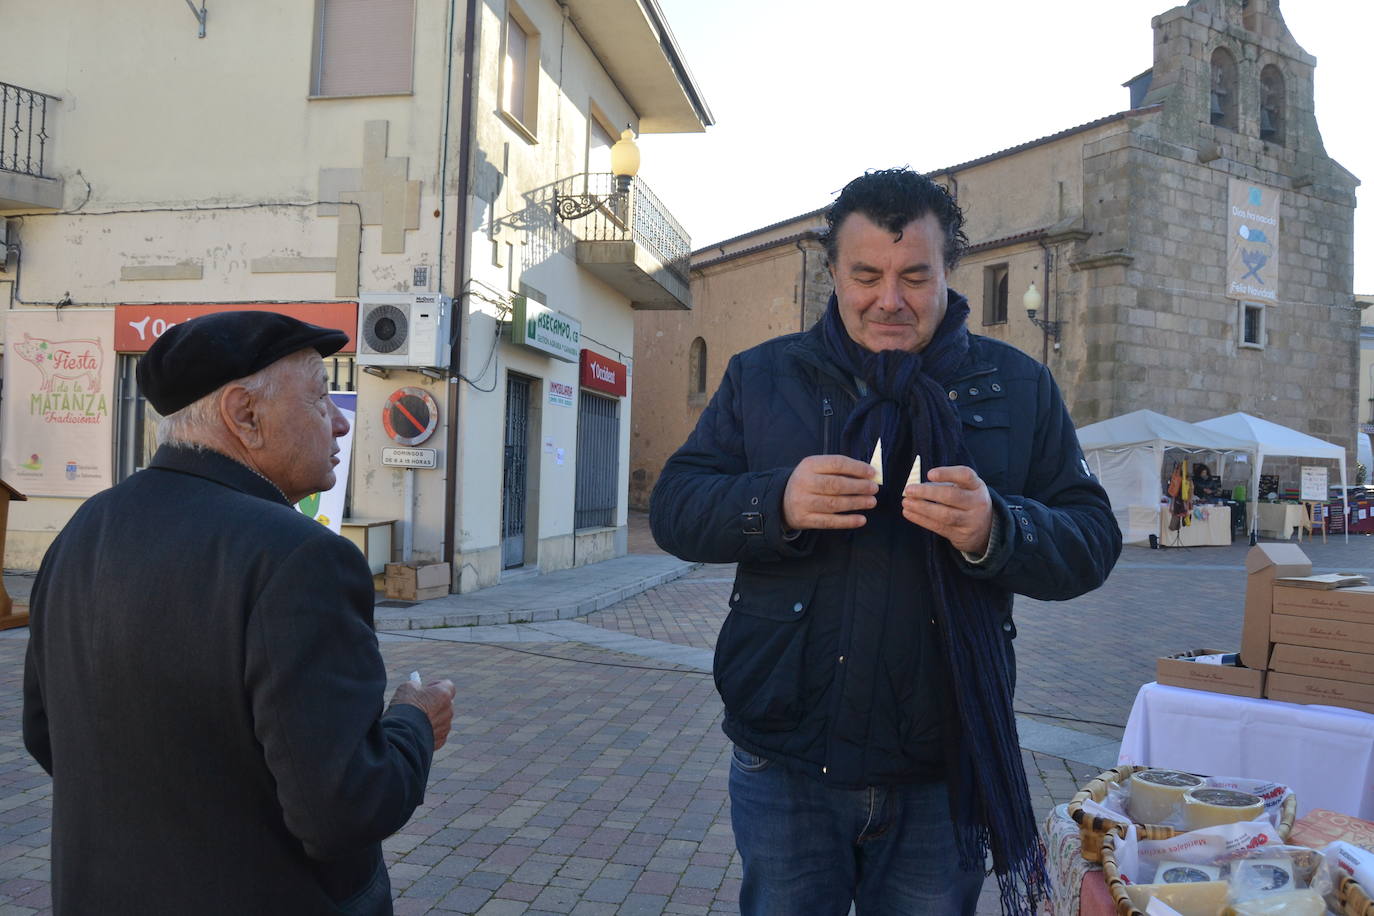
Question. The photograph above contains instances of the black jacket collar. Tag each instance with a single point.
(216, 467)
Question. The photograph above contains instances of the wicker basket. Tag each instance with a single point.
(1092, 828)
(1353, 900)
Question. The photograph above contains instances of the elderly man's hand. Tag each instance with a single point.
(435, 700)
(827, 491)
(961, 514)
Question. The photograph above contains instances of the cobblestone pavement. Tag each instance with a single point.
(581, 779)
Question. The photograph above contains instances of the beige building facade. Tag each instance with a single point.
(330, 159)
(1160, 288)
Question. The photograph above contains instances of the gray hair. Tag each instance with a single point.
(188, 427)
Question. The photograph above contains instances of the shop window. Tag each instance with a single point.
(363, 47)
(520, 71)
(598, 461)
(995, 294)
(1223, 95)
(1272, 105)
(696, 374)
(1252, 325)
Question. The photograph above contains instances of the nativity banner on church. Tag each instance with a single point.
(59, 377)
(1252, 242)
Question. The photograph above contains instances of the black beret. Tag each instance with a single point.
(193, 358)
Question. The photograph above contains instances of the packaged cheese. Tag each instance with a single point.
(1201, 898)
(1287, 903)
(1207, 807)
(1158, 794)
(1171, 872)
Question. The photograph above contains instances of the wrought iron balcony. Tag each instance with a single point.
(626, 237)
(25, 131)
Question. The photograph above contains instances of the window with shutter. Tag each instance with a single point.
(363, 47)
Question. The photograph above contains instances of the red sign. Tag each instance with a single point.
(137, 326)
(600, 373)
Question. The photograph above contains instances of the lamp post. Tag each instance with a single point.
(1032, 300)
(624, 167)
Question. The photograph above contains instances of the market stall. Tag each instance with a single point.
(1270, 440)
(1127, 453)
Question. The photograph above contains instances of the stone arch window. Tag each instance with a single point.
(1272, 105)
(1223, 94)
(696, 373)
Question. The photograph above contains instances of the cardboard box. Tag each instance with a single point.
(416, 581)
(1338, 665)
(1341, 635)
(1354, 604)
(1180, 671)
(1295, 688)
(1263, 564)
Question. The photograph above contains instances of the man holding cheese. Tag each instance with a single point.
(866, 664)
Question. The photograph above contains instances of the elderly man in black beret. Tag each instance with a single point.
(203, 680)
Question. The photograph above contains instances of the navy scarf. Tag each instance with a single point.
(905, 403)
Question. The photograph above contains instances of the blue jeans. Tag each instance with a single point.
(811, 850)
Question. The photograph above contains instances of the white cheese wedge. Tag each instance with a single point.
(1290, 903)
(877, 461)
(915, 475)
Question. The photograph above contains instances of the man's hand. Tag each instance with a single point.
(825, 491)
(435, 700)
(961, 514)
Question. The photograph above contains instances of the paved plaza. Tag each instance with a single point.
(586, 769)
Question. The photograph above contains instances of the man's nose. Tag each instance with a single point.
(890, 294)
(339, 423)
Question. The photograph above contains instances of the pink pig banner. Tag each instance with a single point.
(56, 415)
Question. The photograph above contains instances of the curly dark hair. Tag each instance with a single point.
(892, 198)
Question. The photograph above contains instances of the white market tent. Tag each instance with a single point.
(1127, 455)
(1271, 439)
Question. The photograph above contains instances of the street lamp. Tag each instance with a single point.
(1032, 300)
(624, 160)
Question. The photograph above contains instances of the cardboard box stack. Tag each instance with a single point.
(1243, 676)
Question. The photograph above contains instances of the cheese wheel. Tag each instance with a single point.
(1156, 794)
(1208, 807)
(1201, 898)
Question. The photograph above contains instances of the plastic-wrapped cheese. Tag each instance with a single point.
(1208, 807)
(1288, 903)
(1201, 898)
(1170, 872)
(1156, 794)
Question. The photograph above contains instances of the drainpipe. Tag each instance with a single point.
(1045, 334)
(801, 320)
(460, 280)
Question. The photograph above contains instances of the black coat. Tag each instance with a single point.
(204, 685)
(828, 660)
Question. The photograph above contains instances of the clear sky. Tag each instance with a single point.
(809, 93)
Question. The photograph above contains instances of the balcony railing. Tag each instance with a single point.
(594, 210)
(24, 133)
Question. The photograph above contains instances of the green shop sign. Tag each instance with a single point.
(541, 328)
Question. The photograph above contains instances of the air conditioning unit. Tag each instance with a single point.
(403, 329)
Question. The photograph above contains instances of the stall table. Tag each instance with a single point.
(1324, 753)
(1277, 520)
(1213, 529)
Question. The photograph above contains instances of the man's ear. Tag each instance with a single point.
(239, 411)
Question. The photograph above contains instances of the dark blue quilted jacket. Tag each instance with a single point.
(828, 661)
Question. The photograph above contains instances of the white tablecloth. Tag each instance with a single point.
(1212, 530)
(1277, 520)
(1325, 754)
